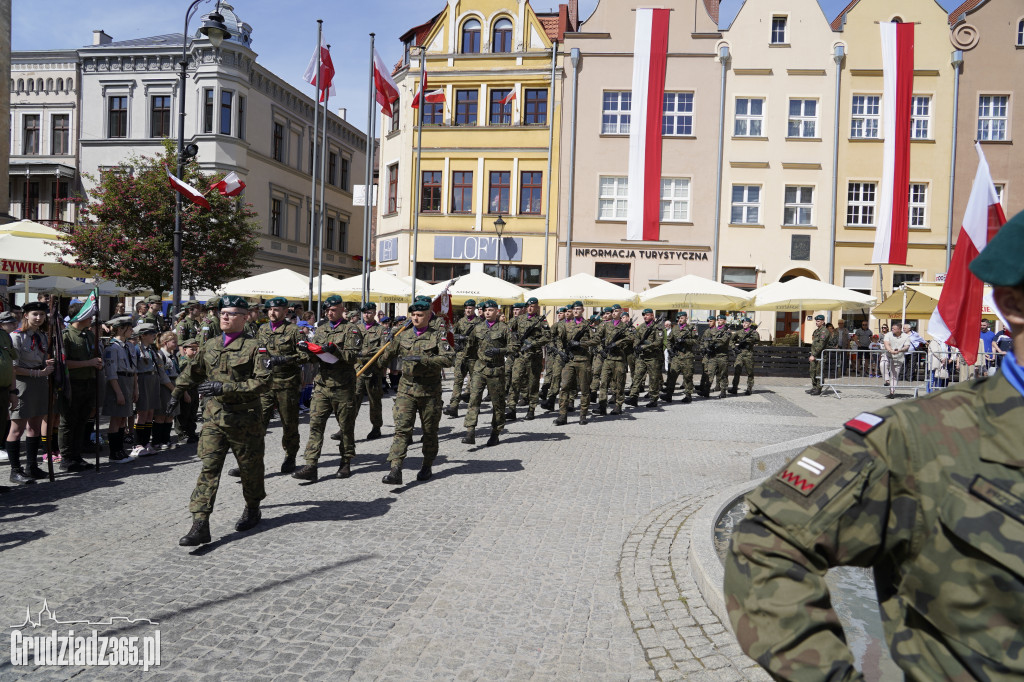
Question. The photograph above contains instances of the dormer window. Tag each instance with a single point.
(502, 36)
(471, 37)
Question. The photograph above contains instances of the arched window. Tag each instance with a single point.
(471, 37)
(502, 41)
(49, 85)
(31, 85)
(69, 84)
(1020, 32)
(60, 85)
(21, 85)
(39, 84)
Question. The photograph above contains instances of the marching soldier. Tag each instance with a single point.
(210, 327)
(819, 342)
(422, 352)
(682, 344)
(616, 342)
(334, 389)
(553, 377)
(252, 327)
(575, 341)
(518, 310)
(533, 333)
(463, 363)
(649, 348)
(598, 361)
(230, 373)
(744, 341)
(368, 383)
(153, 315)
(490, 342)
(716, 343)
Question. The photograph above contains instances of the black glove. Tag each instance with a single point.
(303, 345)
(276, 361)
(172, 405)
(493, 352)
(331, 347)
(412, 358)
(210, 388)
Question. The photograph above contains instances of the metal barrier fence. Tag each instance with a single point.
(843, 369)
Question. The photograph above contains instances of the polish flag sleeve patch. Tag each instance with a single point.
(864, 423)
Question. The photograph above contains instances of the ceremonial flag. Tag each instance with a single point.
(187, 190)
(650, 56)
(508, 98)
(957, 317)
(387, 91)
(326, 74)
(442, 307)
(230, 186)
(891, 234)
(89, 308)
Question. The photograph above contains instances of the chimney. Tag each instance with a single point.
(574, 15)
(342, 113)
(100, 37)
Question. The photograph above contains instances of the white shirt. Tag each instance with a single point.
(898, 344)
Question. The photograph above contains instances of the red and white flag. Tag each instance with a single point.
(187, 190)
(387, 91)
(230, 186)
(891, 234)
(650, 55)
(508, 98)
(431, 97)
(442, 307)
(324, 80)
(957, 317)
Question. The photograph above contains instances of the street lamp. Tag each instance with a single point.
(214, 29)
(499, 227)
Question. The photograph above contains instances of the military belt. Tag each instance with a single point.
(126, 374)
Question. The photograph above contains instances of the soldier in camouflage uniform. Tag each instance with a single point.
(230, 373)
(615, 339)
(279, 337)
(368, 383)
(649, 349)
(553, 376)
(517, 312)
(210, 327)
(744, 341)
(189, 326)
(423, 352)
(463, 363)
(490, 342)
(930, 495)
(598, 361)
(532, 333)
(819, 342)
(682, 344)
(153, 316)
(715, 344)
(576, 340)
(334, 389)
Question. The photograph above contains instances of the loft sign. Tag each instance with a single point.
(643, 254)
(458, 247)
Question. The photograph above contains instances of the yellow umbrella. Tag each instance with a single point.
(28, 248)
(921, 300)
(480, 287)
(691, 291)
(585, 288)
(384, 288)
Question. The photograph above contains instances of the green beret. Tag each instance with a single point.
(369, 307)
(419, 306)
(421, 297)
(532, 301)
(469, 302)
(819, 317)
(277, 302)
(648, 310)
(577, 304)
(681, 313)
(562, 309)
(154, 299)
(746, 319)
(332, 301)
(233, 302)
(489, 303)
(711, 318)
(1001, 264)
(721, 316)
(190, 343)
(608, 309)
(518, 306)
(616, 307)
(192, 303)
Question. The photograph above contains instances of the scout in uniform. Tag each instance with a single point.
(682, 346)
(490, 342)
(463, 363)
(819, 342)
(576, 340)
(32, 368)
(369, 382)
(150, 375)
(533, 333)
(616, 342)
(78, 404)
(187, 414)
(744, 341)
(119, 362)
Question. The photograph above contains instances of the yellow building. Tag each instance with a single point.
(488, 150)
(860, 145)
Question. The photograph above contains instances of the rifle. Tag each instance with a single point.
(526, 346)
(658, 324)
(610, 346)
(369, 363)
(579, 335)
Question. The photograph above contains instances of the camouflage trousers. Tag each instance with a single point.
(460, 371)
(553, 379)
(526, 379)
(744, 363)
(716, 368)
(326, 401)
(407, 406)
(681, 363)
(631, 366)
(368, 384)
(494, 381)
(647, 367)
(286, 400)
(613, 381)
(575, 377)
(509, 363)
(815, 373)
(595, 372)
(244, 439)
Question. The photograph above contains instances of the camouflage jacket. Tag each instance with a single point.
(156, 319)
(283, 342)
(463, 328)
(187, 329)
(373, 339)
(571, 329)
(716, 341)
(349, 340)
(820, 340)
(616, 340)
(930, 495)
(650, 339)
(683, 340)
(421, 379)
(485, 337)
(209, 328)
(745, 339)
(531, 333)
(239, 367)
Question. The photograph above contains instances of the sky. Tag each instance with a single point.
(283, 33)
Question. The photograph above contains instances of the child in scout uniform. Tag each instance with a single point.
(119, 361)
(31, 369)
(150, 376)
(167, 361)
(190, 399)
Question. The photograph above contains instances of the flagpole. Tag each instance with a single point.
(367, 212)
(323, 166)
(99, 375)
(417, 190)
(312, 195)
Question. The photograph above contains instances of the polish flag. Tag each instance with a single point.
(326, 75)
(187, 190)
(432, 97)
(891, 234)
(650, 54)
(442, 307)
(230, 186)
(957, 317)
(508, 98)
(387, 91)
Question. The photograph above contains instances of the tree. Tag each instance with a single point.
(126, 232)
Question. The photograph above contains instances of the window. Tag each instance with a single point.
(430, 199)
(432, 113)
(616, 273)
(58, 199)
(471, 37)
(502, 36)
(30, 139)
(396, 115)
(741, 278)
(865, 116)
(536, 110)
(208, 110)
(799, 206)
(992, 117)
(678, 114)
(329, 236)
(779, 36)
(746, 205)
(675, 199)
(225, 111)
(749, 117)
(160, 116)
(497, 193)
(277, 146)
(803, 118)
(1001, 194)
(901, 278)
(117, 117)
(393, 188)
(240, 128)
(530, 192)
(60, 135)
(613, 198)
(343, 236)
(312, 157)
(500, 114)
(1020, 32)
(275, 217)
(615, 113)
(860, 203)
(920, 118)
(525, 276)
(344, 173)
(462, 192)
(332, 168)
(918, 204)
(465, 107)
(440, 272)
(861, 281)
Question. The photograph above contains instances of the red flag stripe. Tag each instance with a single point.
(655, 117)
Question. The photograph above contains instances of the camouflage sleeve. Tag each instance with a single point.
(257, 383)
(445, 354)
(191, 376)
(828, 507)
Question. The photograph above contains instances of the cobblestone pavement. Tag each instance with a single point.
(560, 554)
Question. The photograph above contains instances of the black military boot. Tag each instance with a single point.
(735, 383)
(816, 390)
(548, 404)
(593, 396)
(394, 476)
(749, 391)
(199, 534)
(602, 408)
(687, 399)
(493, 440)
(17, 473)
(584, 420)
(32, 458)
(336, 435)
(345, 470)
(510, 415)
(235, 471)
(616, 410)
(653, 402)
(530, 414)
(632, 400)
(561, 421)
(470, 437)
(374, 433)
(288, 465)
(425, 473)
(250, 517)
(306, 473)
(572, 405)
